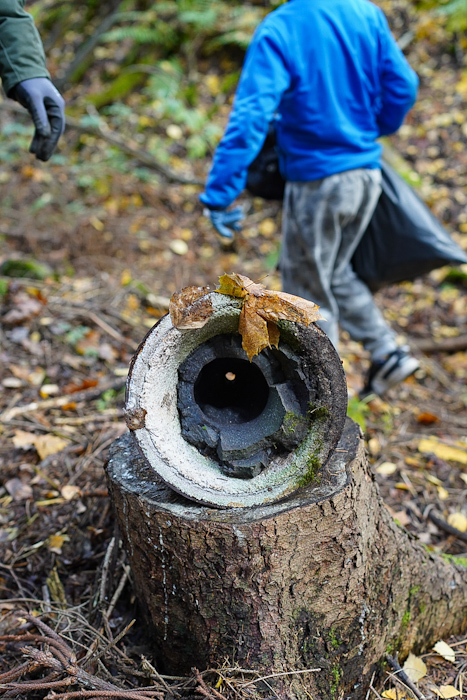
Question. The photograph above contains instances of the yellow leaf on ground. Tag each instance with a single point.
(69, 492)
(23, 439)
(445, 651)
(56, 542)
(394, 694)
(178, 246)
(415, 668)
(267, 227)
(439, 449)
(47, 445)
(447, 691)
(458, 520)
(386, 469)
(443, 493)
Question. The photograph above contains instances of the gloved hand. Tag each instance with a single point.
(47, 109)
(226, 222)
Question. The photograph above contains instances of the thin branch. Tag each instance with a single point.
(279, 675)
(402, 676)
(443, 525)
(85, 395)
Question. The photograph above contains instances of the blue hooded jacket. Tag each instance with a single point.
(332, 75)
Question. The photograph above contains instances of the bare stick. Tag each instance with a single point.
(402, 676)
(443, 525)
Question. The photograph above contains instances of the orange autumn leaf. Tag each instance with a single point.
(261, 310)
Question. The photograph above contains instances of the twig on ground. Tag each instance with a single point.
(58, 402)
(443, 525)
(58, 656)
(401, 675)
(446, 345)
(147, 665)
(280, 675)
(202, 688)
(118, 592)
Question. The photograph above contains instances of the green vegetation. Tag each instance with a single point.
(406, 620)
(313, 465)
(359, 411)
(336, 673)
(291, 421)
(335, 643)
(459, 561)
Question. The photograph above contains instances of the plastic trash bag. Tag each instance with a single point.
(403, 240)
(264, 178)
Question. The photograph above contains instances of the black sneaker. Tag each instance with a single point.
(389, 371)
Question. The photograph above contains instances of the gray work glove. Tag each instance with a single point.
(225, 222)
(47, 109)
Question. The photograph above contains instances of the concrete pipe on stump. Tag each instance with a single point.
(254, 529)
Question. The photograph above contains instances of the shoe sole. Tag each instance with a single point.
(383, 381)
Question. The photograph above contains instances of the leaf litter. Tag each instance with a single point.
(112, 287)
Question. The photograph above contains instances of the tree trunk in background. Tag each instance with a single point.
(296, 585)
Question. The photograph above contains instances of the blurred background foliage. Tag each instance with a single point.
(161, 76)
(162, 71)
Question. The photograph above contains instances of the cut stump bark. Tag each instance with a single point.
(331, 585)
(318, 576)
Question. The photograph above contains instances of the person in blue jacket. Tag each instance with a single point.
(331, 76)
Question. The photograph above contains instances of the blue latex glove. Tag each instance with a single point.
(226, 222)
(47, 109)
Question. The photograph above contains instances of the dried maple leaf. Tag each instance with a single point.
(261, 310)
(190, 308)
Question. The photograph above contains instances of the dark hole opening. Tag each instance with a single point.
(229, 390)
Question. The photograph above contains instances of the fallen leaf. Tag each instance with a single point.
(179, 247)
(445, 651)
(415, 668)
(47, 390)
(18, 490)
(440, 449)
(85, 384)
(443, 493)
(56, 542)
(374, 446)
(412, 462)
(447, 691)
(402, 518)
(386, 469)
(394, 694)
(458, 520)
(69, 492)
(261, 310)
(47, 445)
(427, 418)
(23, 439)
(190, 308)
(464, 478)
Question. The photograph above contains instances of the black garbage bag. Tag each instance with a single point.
(404, 239)
(264, 178)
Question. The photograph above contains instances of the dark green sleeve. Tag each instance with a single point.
(21, 52)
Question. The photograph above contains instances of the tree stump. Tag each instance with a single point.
(315, 578)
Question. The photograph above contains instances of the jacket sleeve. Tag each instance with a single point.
(263, 80)
(399, 83)
(21, 52)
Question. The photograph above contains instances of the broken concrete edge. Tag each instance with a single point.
(129, 471)
(152, 414)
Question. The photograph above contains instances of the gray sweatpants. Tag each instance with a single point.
(323, 222)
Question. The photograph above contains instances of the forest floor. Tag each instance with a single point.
(113, 249)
